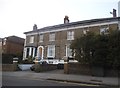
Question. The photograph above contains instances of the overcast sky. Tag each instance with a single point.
(19, 16)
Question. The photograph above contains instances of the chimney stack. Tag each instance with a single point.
(114, 13)
(34, 27)
(66, 19)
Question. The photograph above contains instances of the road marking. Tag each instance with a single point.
(81, 84)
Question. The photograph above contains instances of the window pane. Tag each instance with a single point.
(68, 51)
(70, 35)
(51, 51)
(52, 37)
(31, 39)
(41, 38)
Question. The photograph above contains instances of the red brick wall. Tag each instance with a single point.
(77, 68)
(14, 48)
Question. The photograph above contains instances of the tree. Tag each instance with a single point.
(113, 59)
(83, 47)
(98, 50)
(101, 50)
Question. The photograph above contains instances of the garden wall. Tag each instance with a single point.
(9, 67)
(44, 67)
(77, 68)
(80, 69)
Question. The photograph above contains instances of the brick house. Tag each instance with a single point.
(12, 46)
(54, 41)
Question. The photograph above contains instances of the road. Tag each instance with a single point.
(17, 81)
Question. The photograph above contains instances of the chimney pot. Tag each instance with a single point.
(66, 19)
(34, 27)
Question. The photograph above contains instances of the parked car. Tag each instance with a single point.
(43, 62)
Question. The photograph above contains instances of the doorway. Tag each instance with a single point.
(40, 52)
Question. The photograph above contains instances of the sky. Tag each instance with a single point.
(19, 16)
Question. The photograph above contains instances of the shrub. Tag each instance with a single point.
(98, 50)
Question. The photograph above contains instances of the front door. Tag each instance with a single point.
(40, 51)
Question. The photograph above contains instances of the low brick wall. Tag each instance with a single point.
(111, 73)
(9, 67)
(77, 68)
(44, 67)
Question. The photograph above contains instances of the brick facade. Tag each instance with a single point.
(12, 45)
(61, 33)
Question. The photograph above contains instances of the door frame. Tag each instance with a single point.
(38, 53)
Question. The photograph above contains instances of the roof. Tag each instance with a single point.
(15, 39)
(73, 24)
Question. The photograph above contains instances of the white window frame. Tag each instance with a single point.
(51, 51)
(68, 51)
(70, 35)
(31, 39)
(41, 38)
(52, 37)
(104, 30)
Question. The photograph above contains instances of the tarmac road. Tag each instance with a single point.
(51, 78)
(19, 81)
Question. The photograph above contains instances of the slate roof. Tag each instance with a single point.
(73, 24)
(15, 39)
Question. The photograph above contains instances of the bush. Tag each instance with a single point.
(29, 60)
(26, 62)
(98, 50)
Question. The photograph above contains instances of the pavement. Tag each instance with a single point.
(58, 75)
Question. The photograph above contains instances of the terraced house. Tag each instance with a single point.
(53, 42)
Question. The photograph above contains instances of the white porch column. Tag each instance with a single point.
(33, 52)
(30, 49)
(42, 53)
(24, 53)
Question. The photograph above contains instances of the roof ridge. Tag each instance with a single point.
(74, 23)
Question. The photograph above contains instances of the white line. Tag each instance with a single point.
(81, 84)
